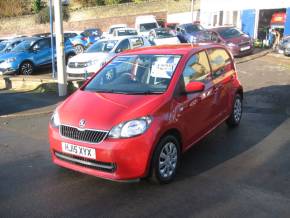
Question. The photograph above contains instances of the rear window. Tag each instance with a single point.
(220, 61)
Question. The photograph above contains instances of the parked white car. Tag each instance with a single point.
(125, 32)
(163, 36)
(144, 24)
(86, 64)
(111, 29)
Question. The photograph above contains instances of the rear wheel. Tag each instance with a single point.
(79, 49)
(26, 68)
(237, 110)
(166, 160)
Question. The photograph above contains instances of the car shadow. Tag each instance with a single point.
(264, 110)
(17, 102)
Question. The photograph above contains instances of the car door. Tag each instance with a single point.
(223, 74)
(42, 52)
(194, 110)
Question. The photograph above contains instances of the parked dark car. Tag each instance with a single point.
(236, 41)
(285, 45)
(187, 33)
(30, 54)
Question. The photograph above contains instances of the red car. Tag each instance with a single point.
(239, 43)
(143, 109)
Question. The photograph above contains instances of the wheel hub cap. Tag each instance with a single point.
(168, 160)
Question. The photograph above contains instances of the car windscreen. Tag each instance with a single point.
(24, 45)
(125, 32)
(144, 27)
(102, 46)
(228, 33)
(3, 45)
(135, 74)
(164, 33)
(193, 28)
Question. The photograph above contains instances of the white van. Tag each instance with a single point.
(144, 24)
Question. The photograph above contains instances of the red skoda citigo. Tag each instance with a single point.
(138, 114)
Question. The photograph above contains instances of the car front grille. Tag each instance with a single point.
(85, 162)
(84, 135)
(77, 64)
(244, 44)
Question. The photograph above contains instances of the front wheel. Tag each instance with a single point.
(79, 49)
(26, 68)
(166, 160)
(237, 110)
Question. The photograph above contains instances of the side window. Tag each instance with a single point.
(197, 68)
(43, 44)
(124, 45)
(136, 42)
(220, 61)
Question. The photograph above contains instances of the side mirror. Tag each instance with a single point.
(35, 48)
(194, 87)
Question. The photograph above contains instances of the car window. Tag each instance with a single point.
(124, 45)
(136, 42)
(102, 46)
(197, 68)
(43, 44)
(220, 61)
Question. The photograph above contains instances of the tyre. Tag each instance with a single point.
(69, 56)
(237, 111)
(79, 49)
(26, 68)
(166, 160)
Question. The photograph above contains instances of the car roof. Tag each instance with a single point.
(181, 49)
(222, 28)
(118, 25)
(125, 28)
(119, 38)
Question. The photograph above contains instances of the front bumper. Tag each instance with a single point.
(81, 73)
(116, 159)
(241, 51)
(7, 68)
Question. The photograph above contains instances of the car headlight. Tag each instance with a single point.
(231, 44)
(131, 128)
(93, 62)
(9, 60)
(55, 121)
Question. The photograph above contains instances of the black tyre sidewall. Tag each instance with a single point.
(231, 121)
(155, 164)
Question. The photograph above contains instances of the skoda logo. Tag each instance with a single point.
(82, 123)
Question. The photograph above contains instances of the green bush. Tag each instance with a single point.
(43, 16)
(36, 6)
(12, 8)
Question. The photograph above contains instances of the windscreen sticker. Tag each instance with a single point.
(163, 70)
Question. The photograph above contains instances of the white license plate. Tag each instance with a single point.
(245, 48)
(78, 150)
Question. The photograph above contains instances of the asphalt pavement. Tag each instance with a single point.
(231, 173)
